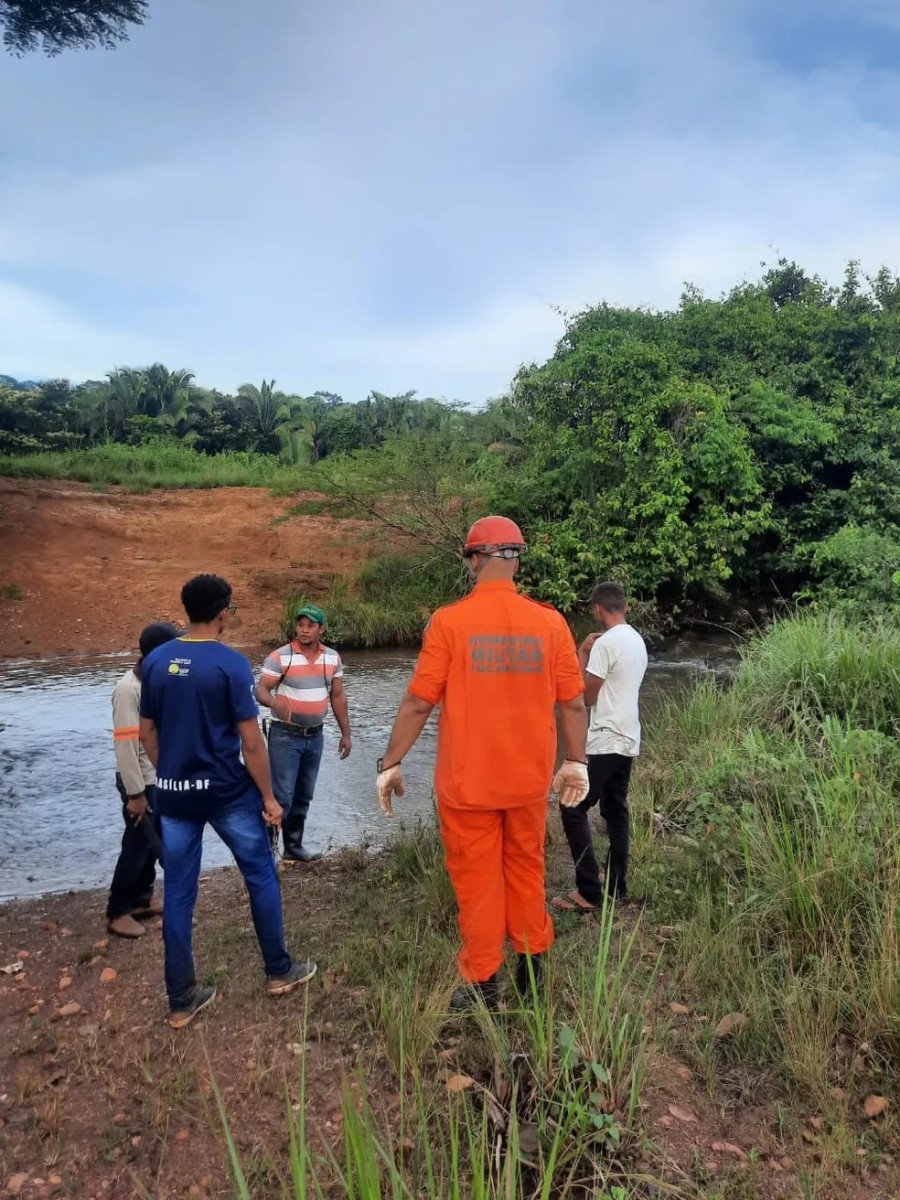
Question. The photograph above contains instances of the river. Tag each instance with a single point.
(60, 817)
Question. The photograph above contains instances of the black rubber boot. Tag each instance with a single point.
(523, 974)
(469, 996)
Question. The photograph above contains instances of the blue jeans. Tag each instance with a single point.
(295, 767)
(241, 827)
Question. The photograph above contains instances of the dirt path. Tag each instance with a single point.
(83, 571)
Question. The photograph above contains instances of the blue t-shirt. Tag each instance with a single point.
(195, 692)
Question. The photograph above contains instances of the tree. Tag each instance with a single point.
(57, 25)
(262, 405)
(164, 389)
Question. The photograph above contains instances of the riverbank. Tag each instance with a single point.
(100, 1099)
(734, 1039)
(82, 571)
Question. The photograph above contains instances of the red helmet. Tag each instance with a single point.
(494, 533)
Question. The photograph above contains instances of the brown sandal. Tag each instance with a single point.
(573, 902)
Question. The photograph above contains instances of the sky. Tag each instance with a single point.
(345, 195)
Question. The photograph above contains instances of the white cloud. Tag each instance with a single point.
(351, 195)
(34, 329)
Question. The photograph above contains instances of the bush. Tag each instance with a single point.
(387, 603)
(858, 570)
(783, 787)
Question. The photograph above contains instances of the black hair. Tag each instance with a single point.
(609, 595)
(204, 597)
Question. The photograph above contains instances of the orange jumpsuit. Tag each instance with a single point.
(497, 663)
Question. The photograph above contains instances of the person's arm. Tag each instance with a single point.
(411, 718)
(150, 739)
(256, 760)
(573, 718)
(341, 714)
(270, 678)
(426, 689)
(126, 739)
(593, 655)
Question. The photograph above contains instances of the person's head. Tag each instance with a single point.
(609, 603)
(207, 601)
(492, 548)
(156, 634)
(310, 625)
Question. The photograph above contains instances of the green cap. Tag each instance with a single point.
(313, 612)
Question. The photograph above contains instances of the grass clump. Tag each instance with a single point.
(779, 797)
(156, 464)
(388, 602)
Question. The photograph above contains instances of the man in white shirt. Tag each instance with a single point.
(612, 664)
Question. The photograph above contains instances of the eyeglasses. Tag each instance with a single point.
(231, 608)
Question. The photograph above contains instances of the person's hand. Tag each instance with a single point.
(390, 782)
(571, 783)
(344, 745)
(281, 708)
(272, 812)
(136, 807)
(587, 645)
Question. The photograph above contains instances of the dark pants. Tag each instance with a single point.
(135, 873)
(608, 776)
(240, 826)
(294, 760)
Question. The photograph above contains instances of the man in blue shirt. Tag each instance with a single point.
(198, 716)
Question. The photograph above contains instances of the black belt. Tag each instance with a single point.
(300, 730)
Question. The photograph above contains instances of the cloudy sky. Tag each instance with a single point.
(395, 194)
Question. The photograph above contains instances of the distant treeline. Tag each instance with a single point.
(134, 404)
(733, 451)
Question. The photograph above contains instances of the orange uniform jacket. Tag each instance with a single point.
(497, 662)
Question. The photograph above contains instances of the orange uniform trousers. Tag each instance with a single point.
(495, 859)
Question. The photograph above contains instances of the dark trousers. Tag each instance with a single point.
(135, 873)
(608, 777)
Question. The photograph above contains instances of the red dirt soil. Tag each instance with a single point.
(92, 568)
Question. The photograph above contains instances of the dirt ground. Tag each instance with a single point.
(100, 1100)
(83, 571)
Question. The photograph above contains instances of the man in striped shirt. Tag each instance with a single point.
(296, 683)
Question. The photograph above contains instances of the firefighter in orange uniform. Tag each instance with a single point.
(498, 664)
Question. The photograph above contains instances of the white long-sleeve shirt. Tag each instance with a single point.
(132, 762)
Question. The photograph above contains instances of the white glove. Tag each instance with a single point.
(390, 781)
(571, 783)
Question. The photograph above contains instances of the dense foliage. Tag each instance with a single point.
(733, 451)
(57, 25)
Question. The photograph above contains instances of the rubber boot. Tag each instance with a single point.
(523, 974)
(468, 996)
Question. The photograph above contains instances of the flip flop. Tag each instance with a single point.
(570, 904)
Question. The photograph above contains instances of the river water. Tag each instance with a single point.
(60, 816)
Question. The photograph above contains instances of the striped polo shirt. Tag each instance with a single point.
(306, 685)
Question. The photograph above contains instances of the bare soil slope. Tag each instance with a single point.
(83, 571)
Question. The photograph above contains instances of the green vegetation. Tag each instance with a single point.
(728, 454)
(57, 25)
(157, 464)
(765, 967)
(387, 603)
(782, 853)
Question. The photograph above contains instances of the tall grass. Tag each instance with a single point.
(158, 464)
(554, 1078)
(782, 792)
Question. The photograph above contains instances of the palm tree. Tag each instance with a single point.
(183, 414)
(262, 404)
(124, 397)
(164, 388)
(297, 429)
